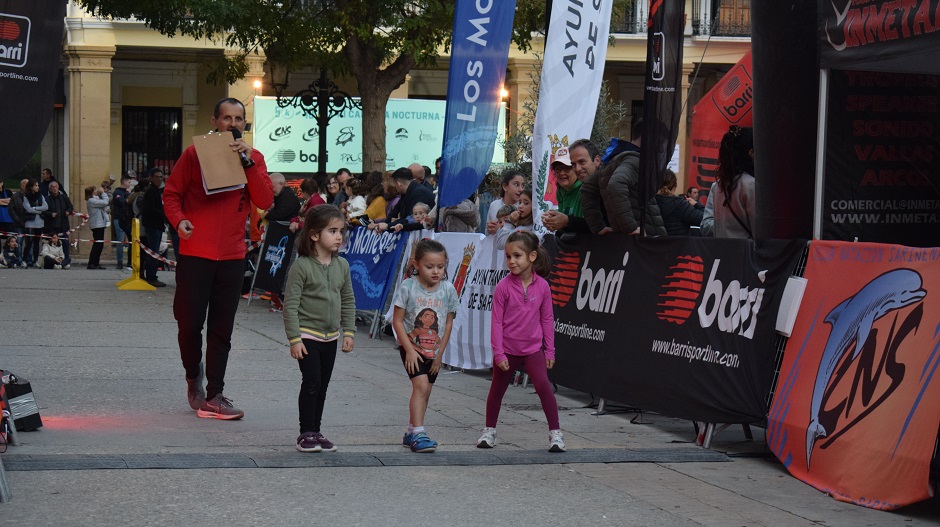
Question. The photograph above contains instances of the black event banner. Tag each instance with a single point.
(856, 32)
(677, 325)
(275, 259)
(662, 102)
(30, 50)
(882, 172)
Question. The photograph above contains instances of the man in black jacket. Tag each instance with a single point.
(153, 220)
(286, 203)
(57, 219)
(412, 193)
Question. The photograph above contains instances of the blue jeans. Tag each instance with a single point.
(119, 237)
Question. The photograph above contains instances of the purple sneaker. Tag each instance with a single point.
(325, 444)
(307, 442)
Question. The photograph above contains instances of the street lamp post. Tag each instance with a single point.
(322, 100)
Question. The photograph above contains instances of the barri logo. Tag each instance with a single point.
(14, 40)
(681, 289)
(733, 306)
(595, 289)
(734, 99)
(285, 156)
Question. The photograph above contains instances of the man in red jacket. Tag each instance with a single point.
(211, 263)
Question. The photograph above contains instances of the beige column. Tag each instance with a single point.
(682, 139)
(244, 89)
(89, 129)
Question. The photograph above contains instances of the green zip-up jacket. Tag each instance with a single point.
(319, 299)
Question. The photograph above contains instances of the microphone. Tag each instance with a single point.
(246, 161)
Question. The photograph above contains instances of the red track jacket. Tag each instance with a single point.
(218, 219)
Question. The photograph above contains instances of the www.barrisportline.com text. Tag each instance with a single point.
(581, 332)
(688, 351)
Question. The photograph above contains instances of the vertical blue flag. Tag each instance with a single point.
(480, 50)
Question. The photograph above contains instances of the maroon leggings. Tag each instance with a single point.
(534, 365)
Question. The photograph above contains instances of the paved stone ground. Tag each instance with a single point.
(120, 446)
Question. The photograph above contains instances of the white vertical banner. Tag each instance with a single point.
(572, 70)
(469, 345)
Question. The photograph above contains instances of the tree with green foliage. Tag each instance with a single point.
(376, 41)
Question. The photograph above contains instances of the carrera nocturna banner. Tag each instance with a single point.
(857, 404)
(679, 325)
(30, 52)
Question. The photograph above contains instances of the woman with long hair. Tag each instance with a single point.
(730, 211)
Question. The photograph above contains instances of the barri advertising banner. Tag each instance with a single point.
(678, 325)
(865, 32)
(662, 102)
(30, 55)
(290, 140)
(572, 70)
(857, 405)
(373, 259)
(882, 179)
(276, 252)
(480, 51)
(728, 103)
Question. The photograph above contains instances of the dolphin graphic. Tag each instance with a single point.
(851, 321)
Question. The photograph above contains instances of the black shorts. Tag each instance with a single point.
(424, 366)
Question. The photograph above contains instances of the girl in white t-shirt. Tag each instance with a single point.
(512, 186)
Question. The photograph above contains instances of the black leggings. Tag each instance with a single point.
(94, 256)
(316, 368)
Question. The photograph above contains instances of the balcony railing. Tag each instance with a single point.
(721, 18)
(629, 17)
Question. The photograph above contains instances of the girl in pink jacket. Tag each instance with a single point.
(523, 334)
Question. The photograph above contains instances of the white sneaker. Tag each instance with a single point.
(556, 441)
(67, 266)
(488, 439)
(57, 266)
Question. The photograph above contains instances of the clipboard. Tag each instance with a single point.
(221, 168)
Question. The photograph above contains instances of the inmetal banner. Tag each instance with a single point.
(882, 179)
(572, 70)
(857, 405)
(480, 51)
(678, 325)
(30, 52)
(857, 32)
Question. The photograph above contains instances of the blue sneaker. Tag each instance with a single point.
(422, 443)
(407, 440)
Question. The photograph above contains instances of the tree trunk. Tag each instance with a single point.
(375, 87)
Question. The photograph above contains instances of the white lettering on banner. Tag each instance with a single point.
(481, 30)
(11, 52)
(369, 242)
(471, 89)
(735, 307)
(600, 289)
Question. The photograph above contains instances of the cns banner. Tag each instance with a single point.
(290, 139)
(30, 54)
(728, 102)
(373, 259)
(882, 179)
(857, 404)
(276, 252)
(679, 325)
